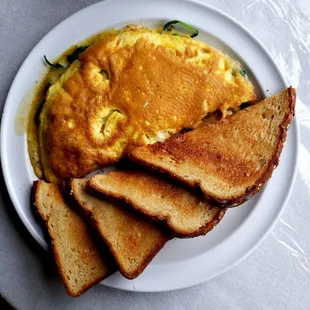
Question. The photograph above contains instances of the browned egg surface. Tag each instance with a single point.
(135, 87)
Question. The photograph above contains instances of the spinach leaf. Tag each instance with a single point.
(242, 72)
(170, 24)
(76, 53)
(56, 65)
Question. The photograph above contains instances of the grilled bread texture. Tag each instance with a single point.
(80, 263)
(229, 160)
(185, 213)
(132, 241)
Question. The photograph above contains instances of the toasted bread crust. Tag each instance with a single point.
(58, 261)
(70, 291)
(235, 200)
(147, 260)
(201, 231)
(164, 238)
(159, 185)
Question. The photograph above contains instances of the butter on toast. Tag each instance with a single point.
(132, 241)
(185, 213)
(229, 160)
(80, 263)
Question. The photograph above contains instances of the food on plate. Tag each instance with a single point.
(229, 160)
(173, 104)
(138, 86)
(132, 241)
(185, 213)
(80, 262)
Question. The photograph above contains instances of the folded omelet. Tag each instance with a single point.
(136, 87)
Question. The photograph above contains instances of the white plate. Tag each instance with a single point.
(181, 263)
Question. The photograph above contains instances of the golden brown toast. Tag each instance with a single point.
(132, 241)
(80, 264)
(185, 213)
(229, 160)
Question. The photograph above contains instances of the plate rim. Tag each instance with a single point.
(5, 120)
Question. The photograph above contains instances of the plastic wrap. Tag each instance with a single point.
(291, 51)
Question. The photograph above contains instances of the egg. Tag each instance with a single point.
(135, 87)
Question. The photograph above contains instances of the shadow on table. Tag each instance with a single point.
(16, 221)
(43, 256)
(4, 305)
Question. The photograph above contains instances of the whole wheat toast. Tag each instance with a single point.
(229, 160)
(132, 241)
(80, 264)
(185, 213)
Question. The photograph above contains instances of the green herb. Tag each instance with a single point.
(56, 65)
(37, 114)
(170, 24)
(40, 106)
(242, 72)
(76, 53)
(233, 72)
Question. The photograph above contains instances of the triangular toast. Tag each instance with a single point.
(132, 241)
(185, 213)
(80, 263)
(229, 160)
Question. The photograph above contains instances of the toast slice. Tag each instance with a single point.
(132, 241)
(79, 262)
(229, 160)
(185, 214)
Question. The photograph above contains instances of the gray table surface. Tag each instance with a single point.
(275, 276)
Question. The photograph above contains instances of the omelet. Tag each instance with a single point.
(135, 87)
